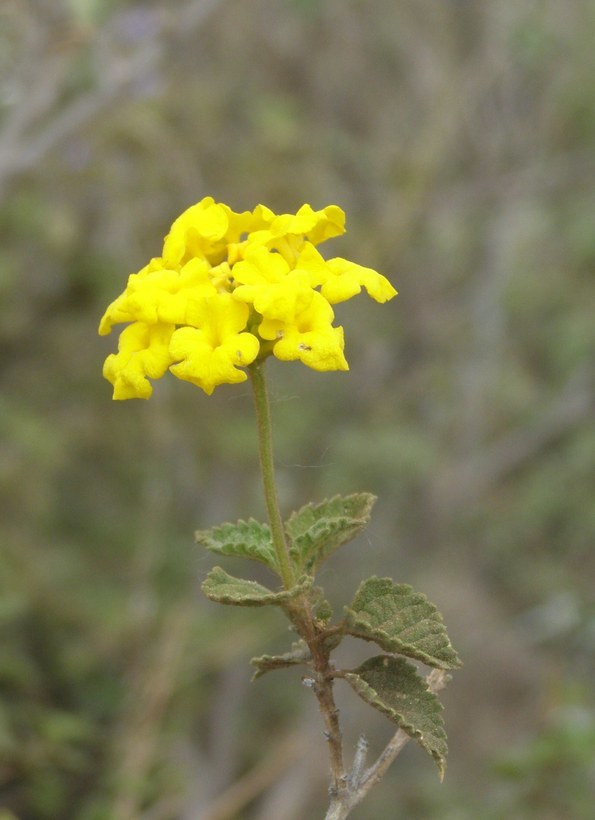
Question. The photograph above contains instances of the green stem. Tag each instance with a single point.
(267, 466)
(300, 610)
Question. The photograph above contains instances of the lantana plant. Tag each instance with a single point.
(229, 291)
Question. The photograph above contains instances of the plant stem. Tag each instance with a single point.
(267, 466)
(346, 790)
(323, 689)
(300, 610)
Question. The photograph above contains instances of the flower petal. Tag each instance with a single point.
(346, 279)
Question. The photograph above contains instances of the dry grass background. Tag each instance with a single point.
(458, 136)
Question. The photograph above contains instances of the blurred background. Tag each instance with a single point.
(458, 136)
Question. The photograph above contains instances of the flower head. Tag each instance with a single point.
(230, 289)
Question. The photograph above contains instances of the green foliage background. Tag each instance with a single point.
(459, 139)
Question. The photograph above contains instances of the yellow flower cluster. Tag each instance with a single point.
(231, 288)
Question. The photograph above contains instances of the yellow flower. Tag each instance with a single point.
(143, 351)
(346, 279)
(311, 337)
(287, 233)
(265, 280)
(211, 353)
(230, 288)
(118, 311)
(315, 226)
(205, 231)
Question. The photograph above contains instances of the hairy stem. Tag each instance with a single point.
(299, 610)
(323, 689)
(267, 466)
(347, 789)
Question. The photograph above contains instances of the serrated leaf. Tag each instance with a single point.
(393, 686)
(317, 530)
(226, 589)
(248, 539)
(299, 654)
(400, 620)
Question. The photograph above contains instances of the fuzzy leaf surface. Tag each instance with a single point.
(393, 686)
(400, 620)
(317, 530)
(248, 539)
(299, 654)
(223, 588)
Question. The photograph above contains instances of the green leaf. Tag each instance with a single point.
(226, 589)
(400, 620)
(248, 539)
(299, 654)
(324, 611)
(317, 530)
(393, 686)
